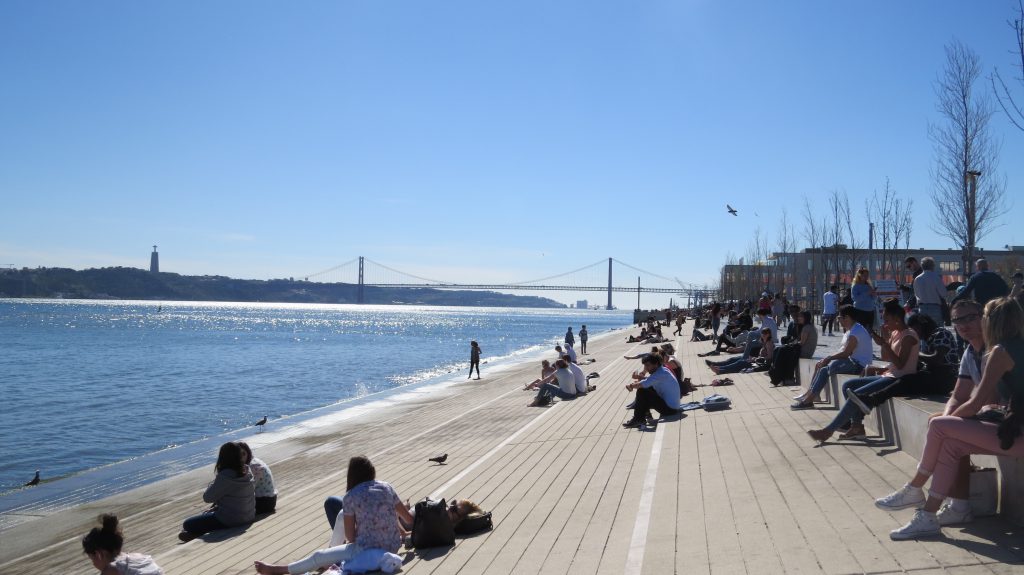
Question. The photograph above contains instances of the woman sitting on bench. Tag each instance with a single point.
(975, 426)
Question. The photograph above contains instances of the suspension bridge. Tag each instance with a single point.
(362, 271)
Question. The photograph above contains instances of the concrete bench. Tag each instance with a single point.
(905, 422)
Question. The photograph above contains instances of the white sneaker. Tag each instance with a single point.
(949, 515)
(902, 498)
(923, 524)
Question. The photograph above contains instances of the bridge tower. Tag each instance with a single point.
(609, 284)
(359, 290)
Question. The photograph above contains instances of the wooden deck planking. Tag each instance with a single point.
(738, 491)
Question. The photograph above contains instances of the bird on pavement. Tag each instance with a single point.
(261, 423)
(731, 209)
(439, 460)
(35, 480)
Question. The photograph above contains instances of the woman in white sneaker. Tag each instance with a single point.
(966, 430)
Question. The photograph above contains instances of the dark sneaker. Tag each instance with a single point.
(186, 536)
(633, 423)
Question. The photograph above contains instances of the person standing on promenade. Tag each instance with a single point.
(863, 294)
(569, 339)
(583, 339)
(855, 354)
(474, 359)
(985, 285)
(103, 546)
(929, 291)
(915, 269)
(830, 307)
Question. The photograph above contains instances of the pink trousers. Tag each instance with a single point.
(949, 439)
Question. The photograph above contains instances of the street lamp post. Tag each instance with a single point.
(971, 179)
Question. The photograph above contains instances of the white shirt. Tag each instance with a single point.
(566, 381)
(928, 288)
(769, 323)
(579, 378)
(970, 366)
(831, 303)
(570, 352)
(665, 385)
(862, 354)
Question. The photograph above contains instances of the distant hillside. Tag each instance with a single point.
(134, 283)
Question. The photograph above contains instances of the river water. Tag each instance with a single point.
(87, 383)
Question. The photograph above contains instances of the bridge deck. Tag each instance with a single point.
(740, 491)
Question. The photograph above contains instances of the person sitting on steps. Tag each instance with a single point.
(854, 355)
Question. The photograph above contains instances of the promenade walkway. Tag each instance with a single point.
(739, 491)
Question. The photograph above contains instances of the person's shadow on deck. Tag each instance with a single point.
(998, 539)
(225, 534)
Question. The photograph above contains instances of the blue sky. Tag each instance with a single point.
(466, 141)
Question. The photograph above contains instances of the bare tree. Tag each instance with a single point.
(785, 265)
(964, 213)
(814, 236)
(853, 240)
(893, 219)
(1003, 93)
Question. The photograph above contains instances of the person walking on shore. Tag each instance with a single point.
(583, 339)
(569, 339)
(474, 359)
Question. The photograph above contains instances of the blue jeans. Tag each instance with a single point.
(860, 386)
(332, 507)
(549, 390)
(203, 524)
(834, 367)
(734, 365)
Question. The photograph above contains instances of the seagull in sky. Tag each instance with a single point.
(731, 209)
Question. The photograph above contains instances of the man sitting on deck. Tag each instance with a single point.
(659, 390)
(855, 354)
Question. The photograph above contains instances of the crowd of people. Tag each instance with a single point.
(979, 365)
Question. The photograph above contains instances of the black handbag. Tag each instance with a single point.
(432, 527)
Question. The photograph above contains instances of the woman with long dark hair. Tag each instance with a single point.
(369, 517)
(232, 495)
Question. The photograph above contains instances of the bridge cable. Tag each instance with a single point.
(599, 262)
(335, 268)
(408, 274)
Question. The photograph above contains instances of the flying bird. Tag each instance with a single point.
(731, 209)
(261, 423)
(439, 460)
(35, 480)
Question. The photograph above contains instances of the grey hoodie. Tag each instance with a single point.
(233, 497)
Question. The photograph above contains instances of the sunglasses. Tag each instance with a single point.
(965, 319)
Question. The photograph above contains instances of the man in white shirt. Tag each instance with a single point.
(577, 375)
(855, 354)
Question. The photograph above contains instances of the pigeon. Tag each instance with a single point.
(35, 480)
(439, 460)
(593, 374)
(261, 423)
(731, 209)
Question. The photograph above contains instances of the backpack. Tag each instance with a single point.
(716, 402)
(474, 524)
(432, 527)
(784, 364)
